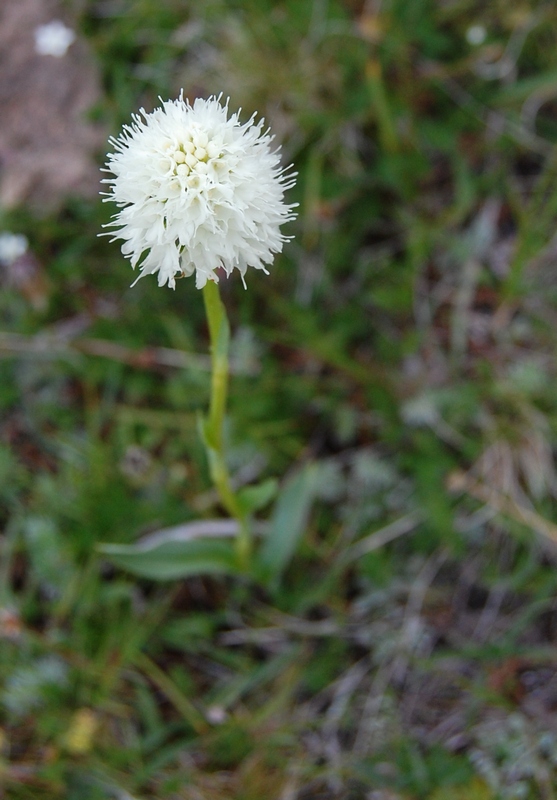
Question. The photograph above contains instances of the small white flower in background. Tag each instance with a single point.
(197, 191)
(12, 247)
(420, 411)
(476, 35)
(216, 715)
(53, 39)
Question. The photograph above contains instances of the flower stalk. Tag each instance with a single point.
(219, 334)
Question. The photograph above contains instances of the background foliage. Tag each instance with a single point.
(395, 373)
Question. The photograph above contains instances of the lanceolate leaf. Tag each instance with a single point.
(174, 559)
(253, 498)
(288, 523)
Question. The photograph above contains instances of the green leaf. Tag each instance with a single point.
(519, 91)
(171, 559)
(288, 523)
(206, 433)
(253, 498)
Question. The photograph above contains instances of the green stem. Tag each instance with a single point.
(385, 123)
(219, 333)
(173, 693)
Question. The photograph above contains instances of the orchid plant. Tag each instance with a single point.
(198, 191)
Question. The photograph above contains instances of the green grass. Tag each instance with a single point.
(403, 346)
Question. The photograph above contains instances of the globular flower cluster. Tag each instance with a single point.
(197, 190)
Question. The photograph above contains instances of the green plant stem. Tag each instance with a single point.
(219, 333)
(176, 697)
(385, 123)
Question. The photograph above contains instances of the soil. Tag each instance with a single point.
(47, 142)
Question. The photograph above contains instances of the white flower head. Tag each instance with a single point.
(12, 247)
(197, 190)
(476, 35)
(53, 39)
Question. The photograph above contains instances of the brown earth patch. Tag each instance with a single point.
(46, 140)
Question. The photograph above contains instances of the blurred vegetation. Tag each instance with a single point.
(402, 349)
